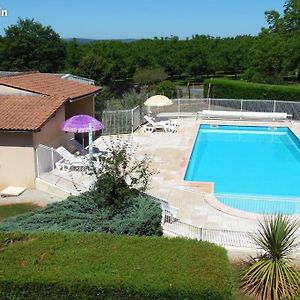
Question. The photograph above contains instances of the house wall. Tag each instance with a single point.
(17, 149)
(84, 106)
(51, 134)
(17, 160)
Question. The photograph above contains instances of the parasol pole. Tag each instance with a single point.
(90, 141)
(82, 139)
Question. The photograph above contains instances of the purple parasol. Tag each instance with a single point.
(80, 124)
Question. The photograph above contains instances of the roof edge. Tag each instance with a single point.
(86, 95)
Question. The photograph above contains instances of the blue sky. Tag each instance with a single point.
(113, 19)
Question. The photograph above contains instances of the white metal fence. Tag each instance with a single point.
(290, 107)
(72, 183)
(174, 226)
(121, 121)
(226, 238)
(127, 121)
(189, 107)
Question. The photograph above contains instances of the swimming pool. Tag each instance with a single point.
(256, 169)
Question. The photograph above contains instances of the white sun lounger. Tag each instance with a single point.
(240, 115)
(166, 126)
(70, 160)
(84, 151)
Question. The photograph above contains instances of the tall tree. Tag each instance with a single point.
(74, 55)
(276, 52)
(28, 45)
(93, 66)
(291, 16)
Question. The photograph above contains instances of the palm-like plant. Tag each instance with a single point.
(270, 275)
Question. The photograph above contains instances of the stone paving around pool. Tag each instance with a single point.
(170, 154)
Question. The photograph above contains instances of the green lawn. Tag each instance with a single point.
(7, 211)
(106, 266)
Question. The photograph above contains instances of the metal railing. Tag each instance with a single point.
(128, 120)
(290, 107)
(121, 121)
(226, 238)
(189, 107)
(174, 226)
(181, 107)
(72, 183)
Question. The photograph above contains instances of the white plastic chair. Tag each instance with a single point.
(70, 160)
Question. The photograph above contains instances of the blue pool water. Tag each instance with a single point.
(263, 162)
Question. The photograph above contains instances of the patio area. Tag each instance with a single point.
(170, 154)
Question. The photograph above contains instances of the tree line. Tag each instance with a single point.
(271, 56)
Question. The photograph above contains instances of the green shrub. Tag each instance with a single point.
(97, 266)
(90, 213)
(237, 89)
(121, 173)
(167, 88)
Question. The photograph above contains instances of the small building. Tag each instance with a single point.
(32, 109)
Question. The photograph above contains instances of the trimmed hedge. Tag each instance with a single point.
(89, 212)
(237, 89)
(100, 266)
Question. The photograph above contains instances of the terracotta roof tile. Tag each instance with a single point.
(27, 112)
(49, 85)
(32, 112)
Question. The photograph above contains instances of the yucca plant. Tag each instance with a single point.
(270, 275)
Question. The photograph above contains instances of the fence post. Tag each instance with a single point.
(178, 104)
(208, 103)
(274, 106)
(37, 161)
(132, 121)
(52, 160)
(241, 105)
(201, 234)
